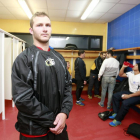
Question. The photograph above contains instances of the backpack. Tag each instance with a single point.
(105, 115)
(122, 86)
(134, 129)
(70, 47)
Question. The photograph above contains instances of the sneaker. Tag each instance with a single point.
(115, 123)
(80, 103)
(98, 96)
(81, 99)
(90, 97)
(113, 116)
(100, 104)
(109, 107)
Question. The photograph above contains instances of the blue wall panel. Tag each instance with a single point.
(124, 32)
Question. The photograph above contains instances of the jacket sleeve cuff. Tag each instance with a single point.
(66, 111)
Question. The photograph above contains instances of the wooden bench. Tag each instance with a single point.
(138, 106)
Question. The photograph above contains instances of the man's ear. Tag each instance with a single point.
(31, 30)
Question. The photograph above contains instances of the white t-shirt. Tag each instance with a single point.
(134, 81)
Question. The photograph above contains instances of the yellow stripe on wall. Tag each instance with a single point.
(22, 26)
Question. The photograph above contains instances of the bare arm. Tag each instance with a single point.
(135, 94)
(121, 73)
(126, 96)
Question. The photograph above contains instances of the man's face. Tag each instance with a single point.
(41, 29)
(68, 64)
(135, 68)
(103, 56)
(83, 55)
(107, 55)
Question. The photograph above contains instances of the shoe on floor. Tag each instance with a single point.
(90, 97)
(113, 116)
(80, 103)
(100, 104)
(115, 123)
(98, 96)
(109, 107)
(81, 99)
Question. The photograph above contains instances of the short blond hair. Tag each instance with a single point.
(37, 14)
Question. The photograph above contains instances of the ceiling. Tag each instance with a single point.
(68, 10)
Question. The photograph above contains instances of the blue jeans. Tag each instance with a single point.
(107, 82)
(126, 104)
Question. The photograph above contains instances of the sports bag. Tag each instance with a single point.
(122, 86)
(105, 115)
(70, 47)
(134, 129)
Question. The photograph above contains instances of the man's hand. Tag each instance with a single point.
(125, 96)
(85, 82)
(125, 66)
(60, 123)
(99, 79)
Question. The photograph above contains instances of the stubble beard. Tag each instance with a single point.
(43, 41)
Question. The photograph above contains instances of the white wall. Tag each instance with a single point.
(8, 57)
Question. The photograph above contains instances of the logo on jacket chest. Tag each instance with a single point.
(50, 62)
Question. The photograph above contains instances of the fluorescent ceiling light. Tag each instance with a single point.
(67, 38)
(89, 9)
(25, 8)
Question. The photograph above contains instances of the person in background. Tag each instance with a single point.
(68, 67)
(128, 98)
(80, 76)
(41, 86)
(93, 79)
(109, 70)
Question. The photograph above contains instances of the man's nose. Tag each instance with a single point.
(44, 28)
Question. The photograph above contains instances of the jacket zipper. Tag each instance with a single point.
(35, 69)
(65, 74)
(62, 65)
(60, 61)
(30, 127)
(29, 75)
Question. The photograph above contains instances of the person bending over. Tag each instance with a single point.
(128, 98)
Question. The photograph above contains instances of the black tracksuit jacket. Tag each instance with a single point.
(98, 62)
(80, 69)
(41, 88)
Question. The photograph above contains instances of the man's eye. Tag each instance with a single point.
(48, 25)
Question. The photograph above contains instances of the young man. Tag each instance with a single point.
(41, 86)
(80, 76)
(128, 98)
(93, 79)
(109, 70)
